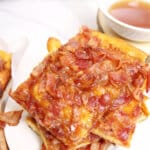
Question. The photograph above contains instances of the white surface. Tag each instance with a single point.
(37, 21)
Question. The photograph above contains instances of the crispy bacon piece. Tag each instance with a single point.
(2, 124)
(92, 84)
(11, 118)
(148, 82)
(119, 77)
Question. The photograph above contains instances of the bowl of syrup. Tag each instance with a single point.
(128, 18)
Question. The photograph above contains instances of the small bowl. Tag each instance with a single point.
(124, 30)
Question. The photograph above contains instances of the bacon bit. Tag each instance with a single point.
(84, 29)
(88, 147)
(93, 101)
(119, 65)
(83, 58)
(64, 78)
(63, 147)
(94, 137)
(148, 82)
(99, 103)
(93, 42)
(106, 66)
(55, 108)
(51, 84)
(137, 112)
(1, 89)
(67, 59)
(2, 124)
(123, 135)
(82, 54)
(33, 107)
(132, 69)
(119, 77)
(38, 70)
(103, 80)
(105, 100)
(95, 69)
(53, 67)
(41, 88)
(85, 81)
(104, 144)
(138, 94)
(78, 99)
(73, 44)
(139, 81)
(11, 118)
(60, 92)
(83, 64)
(96, 56)
(43, 147)
(121, 100)
(57, 130)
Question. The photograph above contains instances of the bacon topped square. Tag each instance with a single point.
(92, 84)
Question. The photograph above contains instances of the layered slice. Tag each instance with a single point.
(93, 84)
(52, 143)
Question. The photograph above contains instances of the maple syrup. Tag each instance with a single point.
(135, 13)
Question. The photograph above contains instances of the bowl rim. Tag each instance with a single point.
(108, 15)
